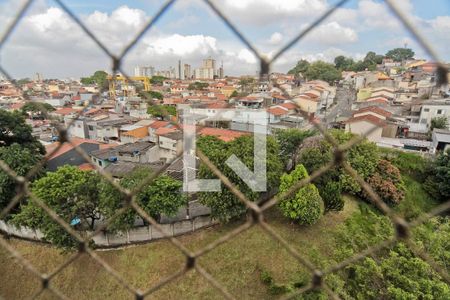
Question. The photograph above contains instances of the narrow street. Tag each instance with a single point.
(342, 106)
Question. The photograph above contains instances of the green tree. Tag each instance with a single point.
(161, 111)
(224, 204)
(21, 160)
(198, 85)
(363, 157)
(162, 196)
(300, 68)
(151, 95)
(289, 140)
(438, 177)
(373, 59)
(100, 78)
(72, 194)
(343, 63)
(87, 80)
(400, 54)
(439, 123)
(234, 94)
(13, 129)
(157, 80)
(37, 109)
(323, 71)
(306, 206)
(23, 81)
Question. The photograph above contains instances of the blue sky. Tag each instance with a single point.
(47, 41)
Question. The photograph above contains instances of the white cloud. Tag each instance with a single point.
(263, 12)
(246, 56)
(332, 33)
(275, 38)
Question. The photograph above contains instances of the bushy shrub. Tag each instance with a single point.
(387, 183)
(331, 195)
(306, 206)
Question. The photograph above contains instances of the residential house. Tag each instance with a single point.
(133, 133)
(440, 140)
(140, 152)
(307, 103)
(367, 125)
(67, 155)
(170, 142)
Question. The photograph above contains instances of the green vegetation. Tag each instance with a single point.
(157, 80)
(14, 130)
(162, 196)
(438, 177)
(439, 122)
(300, 68)
(82, 196)
(253, 264)
(410, 164)
(151, 95)
(198, 86)
(161, 111)
(305, 206)
(387, 182)
(330, 73)
(72, 194)
(21, 160)
(37, 109)
(289, 140)
(19, 149)
(400, 54)
(363, 157)
(225, 205)
(99, 78)
(322, 71)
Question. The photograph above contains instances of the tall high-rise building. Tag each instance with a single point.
(220, 72)
(144, 71)
(207, 70)
(180, 72)
(209, 63)
(187, 71)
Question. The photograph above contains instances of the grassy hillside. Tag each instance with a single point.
(236, 264)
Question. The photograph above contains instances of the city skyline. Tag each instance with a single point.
(190, 31)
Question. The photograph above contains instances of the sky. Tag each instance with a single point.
(48, 41)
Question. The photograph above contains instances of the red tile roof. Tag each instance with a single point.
(65, 111)
(159, 124)
(66, 147)
(368, 118)
(378, 100)
(277, 111)
(225, 135)
(374, 109)
(164, 130)
(86, 167)
(289, 105)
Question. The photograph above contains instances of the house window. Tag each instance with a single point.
(439, 111)
(91, 128)
(423, 121)
(426, 109)
(100, 163)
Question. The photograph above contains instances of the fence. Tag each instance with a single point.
(132, 236)
(402, 228)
